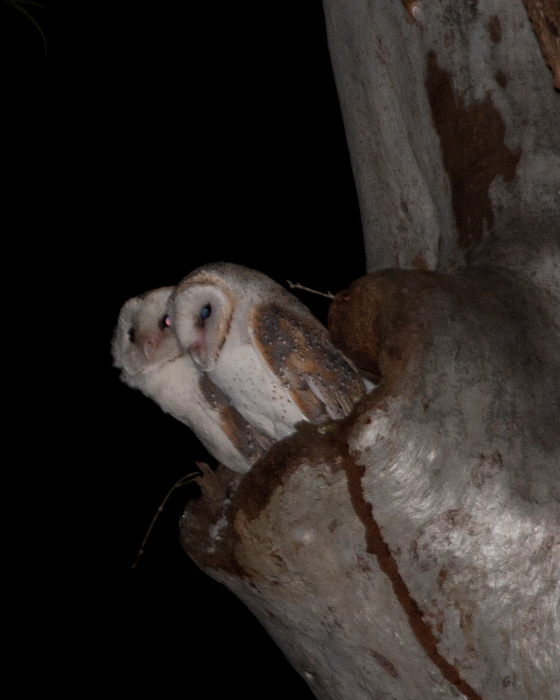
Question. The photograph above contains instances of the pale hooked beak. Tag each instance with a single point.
(150, 346)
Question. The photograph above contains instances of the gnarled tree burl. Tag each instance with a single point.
(413, 549)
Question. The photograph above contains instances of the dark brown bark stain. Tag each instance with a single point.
(376, 545)
(420, 263)
(487, 468)
(473, 149)
(501, 78)
(495, 29)
(385, 664)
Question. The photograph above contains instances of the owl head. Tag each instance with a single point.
(143, 340)
(203, 306)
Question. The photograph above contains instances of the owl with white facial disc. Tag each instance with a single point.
(150, 359)
(263, 348)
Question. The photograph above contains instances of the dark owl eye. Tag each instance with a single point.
(131, 334)
(165, 322)
(206, 312)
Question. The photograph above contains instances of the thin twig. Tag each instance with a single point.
(297, 285)
(182, 482)
(17, 6)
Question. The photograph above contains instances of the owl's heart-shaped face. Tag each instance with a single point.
(201, 309)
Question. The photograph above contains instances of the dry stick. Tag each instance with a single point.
(182, 482)
(297, 285)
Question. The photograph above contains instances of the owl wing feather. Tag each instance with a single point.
(297, 349)
(250, 442)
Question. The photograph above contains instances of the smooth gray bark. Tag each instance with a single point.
(452, 121)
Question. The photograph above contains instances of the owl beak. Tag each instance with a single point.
(199, 354)
(150, 347)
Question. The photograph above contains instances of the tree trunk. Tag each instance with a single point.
(452, 120)
(412, 550)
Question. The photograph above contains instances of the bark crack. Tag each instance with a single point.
(375, 544)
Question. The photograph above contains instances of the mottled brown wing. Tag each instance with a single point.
(298, 351)
(249, 441)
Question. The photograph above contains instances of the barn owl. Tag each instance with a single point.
(262, 347)
(150, 359)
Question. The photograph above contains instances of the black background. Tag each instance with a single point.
(157, 137)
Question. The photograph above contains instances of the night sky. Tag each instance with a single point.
(163, 138)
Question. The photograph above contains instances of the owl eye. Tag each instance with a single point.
(131, 334)
(206, 312)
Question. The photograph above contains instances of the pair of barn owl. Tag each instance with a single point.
(236, 357)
